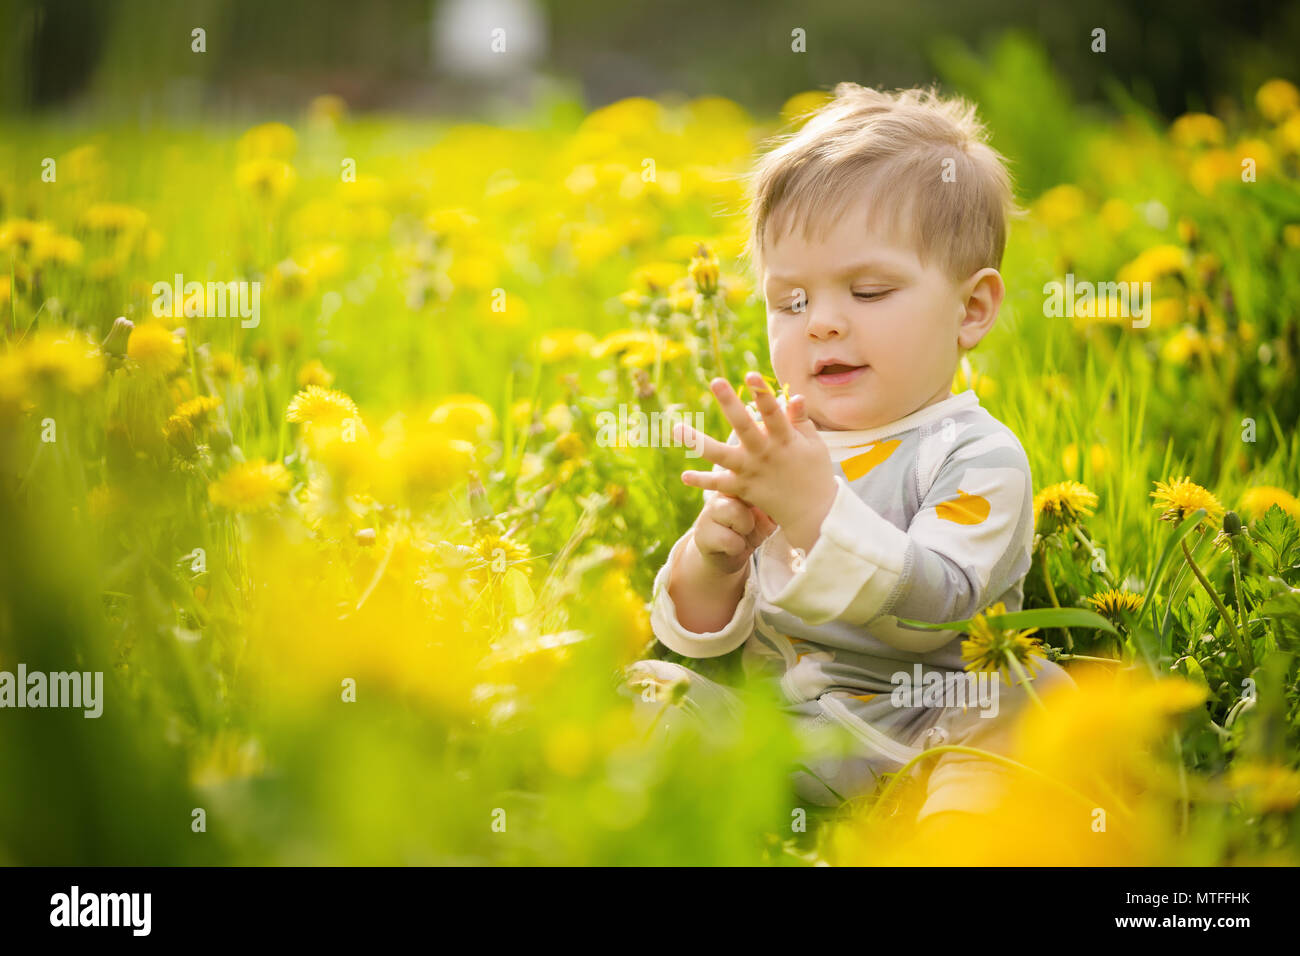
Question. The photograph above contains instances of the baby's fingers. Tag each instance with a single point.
(764, 526)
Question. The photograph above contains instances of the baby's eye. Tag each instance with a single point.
(871, 296)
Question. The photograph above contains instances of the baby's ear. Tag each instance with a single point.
(983, 294)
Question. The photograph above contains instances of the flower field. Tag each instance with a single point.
(361, 571)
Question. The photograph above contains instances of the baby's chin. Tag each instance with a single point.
(849, 416)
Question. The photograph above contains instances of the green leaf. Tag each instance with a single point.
(518, 591)
(1038, 617)
(1190, 522)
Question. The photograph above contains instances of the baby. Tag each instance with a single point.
(874, 493)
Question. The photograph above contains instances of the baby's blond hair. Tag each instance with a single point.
(924, 159)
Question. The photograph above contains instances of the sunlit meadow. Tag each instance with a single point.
(362, 576)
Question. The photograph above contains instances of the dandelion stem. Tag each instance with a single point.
(1051, 594)
(1241, 598)
(1085, 657)
(1237, 641)
(1092, 549)
(1025, 682)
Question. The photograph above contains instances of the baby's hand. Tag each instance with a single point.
(727, 532)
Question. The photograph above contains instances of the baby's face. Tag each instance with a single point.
(889, 323)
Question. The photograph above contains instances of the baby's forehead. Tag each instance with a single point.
(847, 245)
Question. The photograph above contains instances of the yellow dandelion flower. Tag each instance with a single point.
(54, 249)
(1211, 168)
(1099, 459)
(180, 434)
(268, 180)
(424, 459)
(327, 108)
(466, 417)
(289, 280)
(314, 373)
(155, 349)
(196, 409)
(1277, 99)
(570, 446)
(315, 405)
(988, 647)
(558, 417)
(654, 278)
(560, 344)
(499, 552)
(269, 140)
(22, 234)
(1197, 129)
(1063, 503)
(1154, 264)
(1256, 501)
(250, 486)
(798, 108)
(451, 222)
(1060, 205)
(616, 343)
(224, 365)
(1266, 787)
(633, 298)
(1116, 215)
(112, 218)
(61, 360)
(568, 748)
(1182, 496)
(1113, 602)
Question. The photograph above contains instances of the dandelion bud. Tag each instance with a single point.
(115, 342)
(704, 271)
(1231, 523)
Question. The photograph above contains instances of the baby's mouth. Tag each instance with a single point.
(839, 374)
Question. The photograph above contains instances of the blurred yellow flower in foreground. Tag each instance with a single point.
(1256, 501)
(1265, 787)
(466, 417)
(251, 486)
(1089, 791)
(63, 360)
